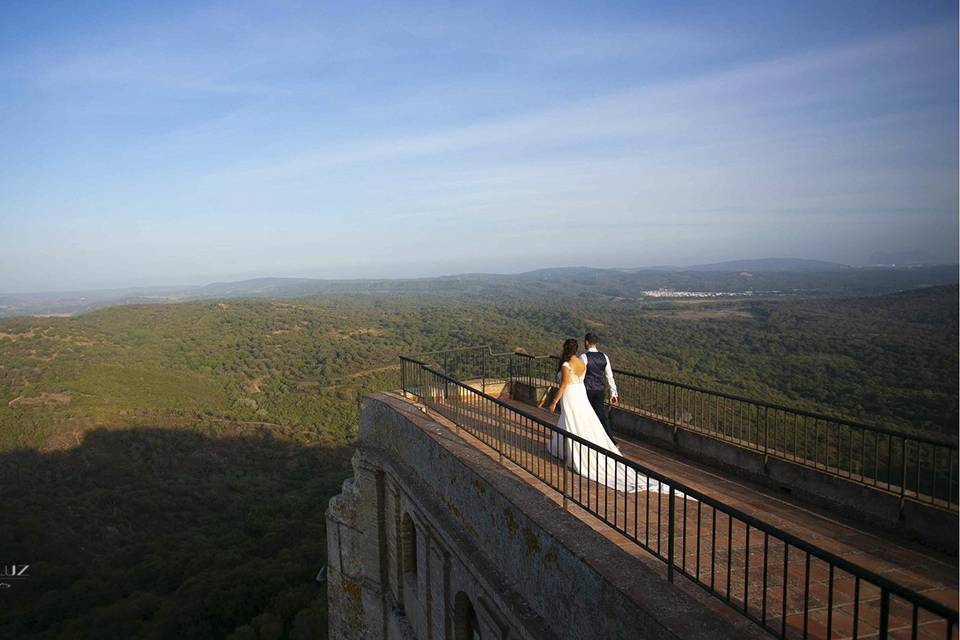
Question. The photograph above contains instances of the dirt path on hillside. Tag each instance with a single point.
(350, 376)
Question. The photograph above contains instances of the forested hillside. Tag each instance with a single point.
(169, 465)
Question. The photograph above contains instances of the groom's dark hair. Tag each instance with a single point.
(591, 338)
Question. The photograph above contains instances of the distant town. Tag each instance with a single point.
(673, 293)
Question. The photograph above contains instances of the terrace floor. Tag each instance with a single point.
(722, 553)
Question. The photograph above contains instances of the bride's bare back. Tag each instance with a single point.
(576, 364)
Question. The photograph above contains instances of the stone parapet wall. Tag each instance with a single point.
(434, 539)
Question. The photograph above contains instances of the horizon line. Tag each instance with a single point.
(675, 268)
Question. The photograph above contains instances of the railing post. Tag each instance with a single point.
(766, 429)
(673, 402)
(446, 372)
(500, 424)
(458, 411)
(670, 534)
(461, 399)
(903, 470)
(563, 468)
(483, 369)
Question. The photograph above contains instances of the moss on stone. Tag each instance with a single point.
(531, 542)
(512, 525)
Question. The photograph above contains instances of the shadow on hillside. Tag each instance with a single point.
(160, 533)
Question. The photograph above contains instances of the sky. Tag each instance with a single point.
(175, 143)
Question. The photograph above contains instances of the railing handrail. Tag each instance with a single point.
(924, 438)
(473, 348)
(933, 484)
(919, 599)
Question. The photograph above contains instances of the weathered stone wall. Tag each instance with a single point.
(432, 536)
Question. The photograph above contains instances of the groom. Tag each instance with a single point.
(598, 370)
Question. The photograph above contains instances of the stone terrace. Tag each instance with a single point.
(738, 563)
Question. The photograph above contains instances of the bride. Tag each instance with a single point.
(577, 417)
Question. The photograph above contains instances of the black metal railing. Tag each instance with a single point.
(787, 585)
(915, 466)
(479, 364)
(535, 370)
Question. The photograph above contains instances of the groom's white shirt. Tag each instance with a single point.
(607, 371)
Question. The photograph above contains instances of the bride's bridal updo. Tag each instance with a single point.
(570, 349)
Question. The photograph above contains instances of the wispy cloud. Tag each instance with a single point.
(381, 127)
(728, 101)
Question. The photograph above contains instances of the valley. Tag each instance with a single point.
(170, 464)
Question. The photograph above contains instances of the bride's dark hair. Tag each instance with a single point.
(570, 348)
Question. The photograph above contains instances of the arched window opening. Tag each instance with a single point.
(408, 542)
(466, 626)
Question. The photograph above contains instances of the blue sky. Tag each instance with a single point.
(180, 143)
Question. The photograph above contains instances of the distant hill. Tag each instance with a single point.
(769, 264)
(256, 286)
(765, 277)
(570, 272)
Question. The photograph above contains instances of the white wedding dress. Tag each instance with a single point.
(578, 417)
